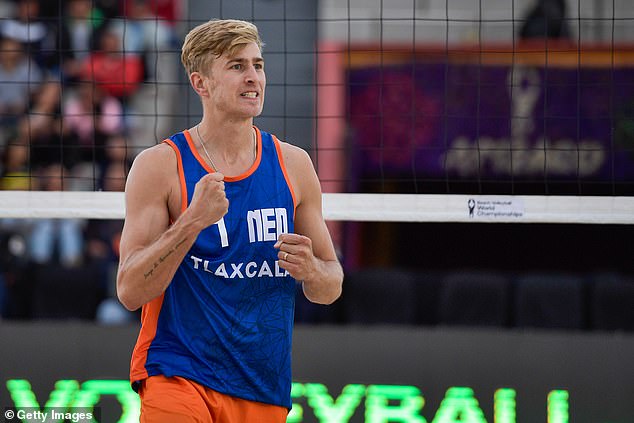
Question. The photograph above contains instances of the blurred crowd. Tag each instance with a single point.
(84, 86)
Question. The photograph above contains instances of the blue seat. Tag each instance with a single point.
(474, 298)
(380, 296)
(549, 300)
(612, 303)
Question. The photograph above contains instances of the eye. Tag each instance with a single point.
(236, 66)
(259, 66)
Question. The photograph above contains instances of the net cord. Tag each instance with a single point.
(356, 207)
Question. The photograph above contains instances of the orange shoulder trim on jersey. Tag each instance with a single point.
(280, 157)
(181, 173)
(192, 147)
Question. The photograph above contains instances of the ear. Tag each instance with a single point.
(197, 81)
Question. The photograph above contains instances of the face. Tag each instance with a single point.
(111, 42)
(235, 85)
(79, 9)
(28, 9)
(10, 51)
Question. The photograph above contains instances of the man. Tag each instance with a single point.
(547, 19)
(221, 220)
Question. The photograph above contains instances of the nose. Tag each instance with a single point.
(251, 75)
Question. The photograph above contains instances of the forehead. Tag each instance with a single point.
(9, 44)
(249, 52)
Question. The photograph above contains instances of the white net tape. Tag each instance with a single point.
(359, 207)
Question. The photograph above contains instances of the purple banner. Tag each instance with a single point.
(465, 121)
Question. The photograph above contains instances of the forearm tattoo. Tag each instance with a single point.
(162, 258)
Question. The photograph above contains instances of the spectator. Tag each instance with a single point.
(103, 236)
(146, 35)
(28, 27)
(92, 115)
(45, 107)
(15, 286)
(547, 19)
(154, 39)
(116, 164)
(117, 72)
(15, 171)
(80, 27)
(6, 8)
(65, 283)
(56, 240)
(117, 149)
(114, 177)
(20, 78)
(41, 128)
(166, 10)
(110, 8)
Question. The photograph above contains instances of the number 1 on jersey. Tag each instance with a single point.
(222, 229)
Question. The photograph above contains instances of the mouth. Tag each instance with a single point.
(250, 94)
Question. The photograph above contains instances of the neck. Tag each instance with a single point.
(9, 64)
(230, 149)
(226, 135)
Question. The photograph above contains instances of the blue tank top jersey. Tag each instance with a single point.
(226, 319)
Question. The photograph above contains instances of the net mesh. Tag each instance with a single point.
(414, 111)
(434, 98)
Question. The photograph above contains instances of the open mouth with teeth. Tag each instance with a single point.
(250, 94)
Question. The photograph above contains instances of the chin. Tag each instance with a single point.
(254, 112)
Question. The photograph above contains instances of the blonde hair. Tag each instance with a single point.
(214, 38)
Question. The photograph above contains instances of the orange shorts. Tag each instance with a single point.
(179, 400)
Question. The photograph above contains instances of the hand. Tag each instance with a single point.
(296, 256)
(209, 202)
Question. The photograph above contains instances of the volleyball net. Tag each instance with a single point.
(412, 110)
(360, 207)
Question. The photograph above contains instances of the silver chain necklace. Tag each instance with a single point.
(213, 165)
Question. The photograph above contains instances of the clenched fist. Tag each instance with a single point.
(209, 202)
(296, 255)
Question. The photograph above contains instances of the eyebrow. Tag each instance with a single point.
(242, 60)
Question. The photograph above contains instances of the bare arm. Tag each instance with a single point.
(151, 248)
(311, 255)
